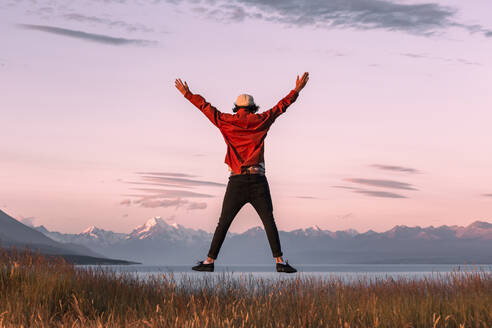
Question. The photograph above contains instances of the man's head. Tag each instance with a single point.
(247, 102)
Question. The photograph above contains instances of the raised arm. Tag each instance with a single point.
(282, 105)
(206, 108)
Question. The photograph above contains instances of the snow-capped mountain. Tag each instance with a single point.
(315, 230)
(157, 227)
(476, 230)
(89, 237)
(153, 229)
(157, 241)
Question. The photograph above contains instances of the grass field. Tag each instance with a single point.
(40, 292)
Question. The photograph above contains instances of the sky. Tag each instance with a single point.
(393, 127)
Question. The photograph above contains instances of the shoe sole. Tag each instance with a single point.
(202, 270)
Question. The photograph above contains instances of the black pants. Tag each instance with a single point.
(242, 189)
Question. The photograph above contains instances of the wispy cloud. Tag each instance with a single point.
(448, 60)
(160, 197)
(172, 179)
(422, 19)
(99, 38)
(345, 187)
(129, 27)
(196, 206)
(307, 197)
(126, 202)
(169, 193)
(344, 216)
(177, 203)
(372, 193)
(170, 174)
(427, 18)
(180, 182)
(382, 183)
(377, 193)
(395, 168)
(153, 203)
(467, 62)
(412, 55)
(487, 195)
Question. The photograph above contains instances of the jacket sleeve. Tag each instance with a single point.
(282, 105)
(206, 108)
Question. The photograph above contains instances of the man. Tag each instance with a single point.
(244, 133)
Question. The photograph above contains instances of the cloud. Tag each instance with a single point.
(177, 203)
(475, 28)
(126, 202)
(196, 206)
(170, 193)
(467, 62)
(344, 216)
(422, 19)
(383, 183)
(345, 187)
(412, 55)
(426, 18)
(99, 38)
(107, 22)
(487, 195)
(377, 193)
(448, 60)
(160, 197)
(172, 174)
(177, 180)
(372, 193)
(154, 203)
(307, 197)
(395, 168)
(158, 184)
(182, 182)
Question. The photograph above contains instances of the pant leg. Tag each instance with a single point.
(234, 200)
(261, 200)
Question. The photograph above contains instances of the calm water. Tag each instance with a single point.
(347, 272)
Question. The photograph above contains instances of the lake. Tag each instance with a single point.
(346, 272)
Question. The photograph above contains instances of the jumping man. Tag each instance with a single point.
(244, 133)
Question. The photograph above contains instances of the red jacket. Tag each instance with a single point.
(244, 132)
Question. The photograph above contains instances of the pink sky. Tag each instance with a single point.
(392, 128)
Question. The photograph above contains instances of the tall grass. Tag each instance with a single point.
(36, 291)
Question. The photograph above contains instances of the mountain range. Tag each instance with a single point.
(14, 234)
(157, 242)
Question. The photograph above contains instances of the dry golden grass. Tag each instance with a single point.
(40, 292)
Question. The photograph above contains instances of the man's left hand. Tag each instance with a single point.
(182, 87)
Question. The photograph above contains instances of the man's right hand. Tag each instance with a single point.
(182, 87)
(301, 83)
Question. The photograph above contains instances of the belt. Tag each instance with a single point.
(253, 169)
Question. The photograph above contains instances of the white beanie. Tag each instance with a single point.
(245, 100)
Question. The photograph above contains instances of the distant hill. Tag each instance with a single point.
(157, 242)
(15, 234)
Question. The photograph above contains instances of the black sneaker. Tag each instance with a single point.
(285, 268)
(204, 267)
